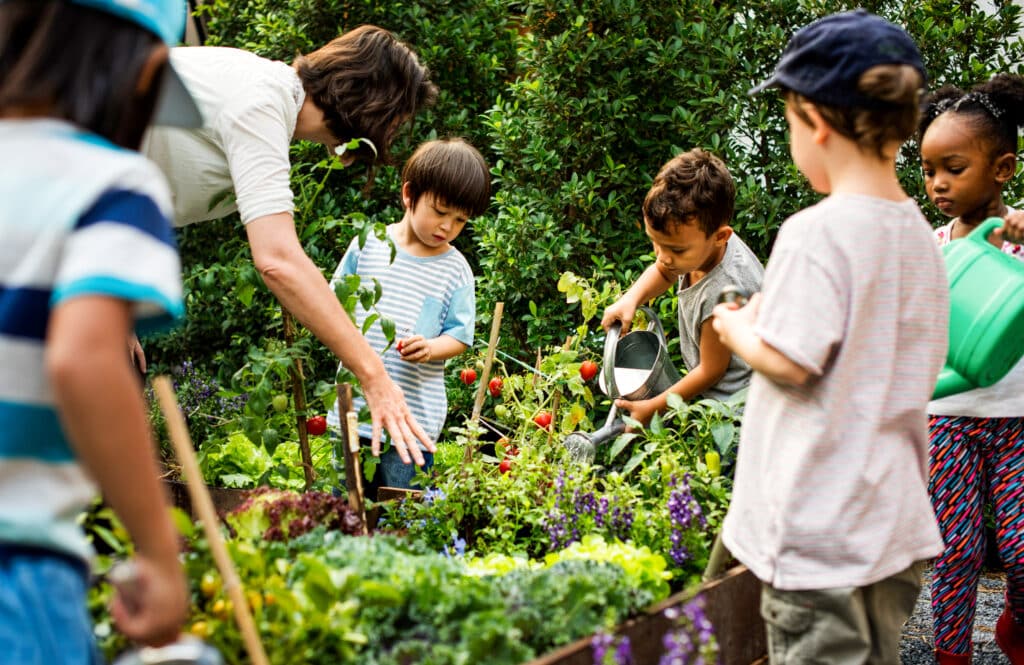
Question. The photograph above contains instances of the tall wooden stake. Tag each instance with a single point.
(203, 505)
(350, 449)
(299, 399)
(481, 391)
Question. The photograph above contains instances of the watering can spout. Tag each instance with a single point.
(951, 383)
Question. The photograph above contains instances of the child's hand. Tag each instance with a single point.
(642, 409)
(730, 320)
(151, 603)
(414, 349)
(623, 312)
(1013, 229)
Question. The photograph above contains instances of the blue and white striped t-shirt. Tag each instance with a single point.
(79, 217)
(423, 295)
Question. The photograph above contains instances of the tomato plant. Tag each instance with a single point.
(588, 370)
(316, 425)
(494, 386)
(468, 376)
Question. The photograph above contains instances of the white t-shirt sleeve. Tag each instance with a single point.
(802, 313)
(256, 140)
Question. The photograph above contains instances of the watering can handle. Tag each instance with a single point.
(611, 340)
(981, 234)
(951, 383)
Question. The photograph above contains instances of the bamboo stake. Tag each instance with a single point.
(350, 450)
(478, 403)
(202, 503)
(299, 398)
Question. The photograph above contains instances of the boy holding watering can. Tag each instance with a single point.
(968, 153)
(831, 509)
(87, 254)
(686, 215)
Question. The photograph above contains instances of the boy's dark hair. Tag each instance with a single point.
(453, 171)
(995, 110)
(367, 83)
(692, 185)
(895, 89)
(77, 64)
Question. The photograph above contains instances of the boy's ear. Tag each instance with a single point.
(407, 195)
(722, 234)
(1005, 167)
(821, 128)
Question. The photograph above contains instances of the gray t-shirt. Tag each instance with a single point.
(739, 267)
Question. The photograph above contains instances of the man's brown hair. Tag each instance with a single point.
(367, 83)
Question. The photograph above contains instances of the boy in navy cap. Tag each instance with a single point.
(831, 507)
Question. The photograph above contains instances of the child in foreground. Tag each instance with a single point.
(687, 213)
(968, 154)
(87, 254)
(830, 508)
(427, 290)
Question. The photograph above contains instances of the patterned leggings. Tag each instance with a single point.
(974, 460)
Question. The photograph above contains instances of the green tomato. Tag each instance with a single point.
(501, 411)
(280, 403)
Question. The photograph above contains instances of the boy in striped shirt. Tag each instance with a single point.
(427, 289)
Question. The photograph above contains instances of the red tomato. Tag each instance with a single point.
(543, 419)
(505, 466)
(400, 343)
(494, 385)
(588, 370)
(316, 425)
(468, 376)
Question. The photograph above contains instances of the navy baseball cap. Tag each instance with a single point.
(824, 60)
(166, 20)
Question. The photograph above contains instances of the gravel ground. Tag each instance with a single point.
(916, 647)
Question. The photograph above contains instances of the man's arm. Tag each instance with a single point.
(302, 290)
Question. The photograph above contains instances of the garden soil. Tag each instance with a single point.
(917, 646)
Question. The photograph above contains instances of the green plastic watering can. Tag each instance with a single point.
(986, 320)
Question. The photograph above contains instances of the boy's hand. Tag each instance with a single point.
(731, 320)
(623, 312)
(1013, 229)
(414, 349)
(151, 605)
(642, 409)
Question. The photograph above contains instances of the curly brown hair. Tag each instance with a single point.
(367, 83)
(694, 185)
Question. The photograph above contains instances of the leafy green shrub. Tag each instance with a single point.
(613, 88)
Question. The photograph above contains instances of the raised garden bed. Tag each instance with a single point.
(731, 603)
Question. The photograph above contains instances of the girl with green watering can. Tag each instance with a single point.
(968, 153)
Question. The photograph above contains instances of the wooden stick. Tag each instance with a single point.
(203, 505)
(350, 449)
(481, 391)
(299, 397)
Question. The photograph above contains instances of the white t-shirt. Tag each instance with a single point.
(1003, 399)
(250, 106)
(831, 486)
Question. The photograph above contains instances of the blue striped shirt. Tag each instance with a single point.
(79, 217)
(423, 295)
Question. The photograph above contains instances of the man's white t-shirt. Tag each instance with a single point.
(240, 158)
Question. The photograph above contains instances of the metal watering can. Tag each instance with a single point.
(986, 321)
(643, 354)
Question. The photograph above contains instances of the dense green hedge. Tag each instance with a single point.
(576, 104)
